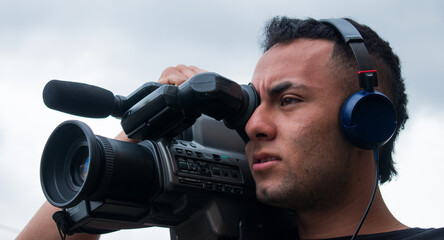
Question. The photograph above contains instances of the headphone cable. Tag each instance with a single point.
(376, 157)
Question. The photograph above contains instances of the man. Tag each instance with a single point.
(298, 155)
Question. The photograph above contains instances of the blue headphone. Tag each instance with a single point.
(368, 117)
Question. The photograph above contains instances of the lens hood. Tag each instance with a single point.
(66, 149)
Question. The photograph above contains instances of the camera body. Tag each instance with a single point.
(196, 188)
(197, 183)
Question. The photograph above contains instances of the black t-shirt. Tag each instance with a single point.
(407, 234)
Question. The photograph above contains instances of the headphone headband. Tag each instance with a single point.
(351, 36)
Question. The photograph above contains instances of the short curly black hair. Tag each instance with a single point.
(284, 30)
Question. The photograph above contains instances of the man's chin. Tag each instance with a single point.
(268, 197)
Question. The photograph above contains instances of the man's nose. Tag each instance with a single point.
(261, 125)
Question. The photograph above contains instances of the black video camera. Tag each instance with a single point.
(188, 172)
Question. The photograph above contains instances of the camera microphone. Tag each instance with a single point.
(157, 110)
(82, 99)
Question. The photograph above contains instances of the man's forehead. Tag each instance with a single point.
(284, 62)
(301, 47)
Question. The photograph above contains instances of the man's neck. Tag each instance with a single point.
(343, 220)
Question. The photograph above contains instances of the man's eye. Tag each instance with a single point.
(289, 100)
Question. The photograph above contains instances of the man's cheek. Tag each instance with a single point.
(249, 149)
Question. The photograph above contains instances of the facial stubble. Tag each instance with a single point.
(319, 184)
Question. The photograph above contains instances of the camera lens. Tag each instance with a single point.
(78, 165)
(84, 169)
(65, 168)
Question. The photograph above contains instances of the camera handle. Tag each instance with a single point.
(156, 110)
(169, 110)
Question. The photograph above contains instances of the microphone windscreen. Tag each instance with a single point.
(78, 99)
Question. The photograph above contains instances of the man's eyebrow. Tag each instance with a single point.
(283, 86)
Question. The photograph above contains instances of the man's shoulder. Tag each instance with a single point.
(422, 233)
(410, 234)
(407, 234)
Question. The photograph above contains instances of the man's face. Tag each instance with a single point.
(297, 154)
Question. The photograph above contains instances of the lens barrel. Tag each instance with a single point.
(77, 165)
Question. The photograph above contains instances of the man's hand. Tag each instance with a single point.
(178, 74)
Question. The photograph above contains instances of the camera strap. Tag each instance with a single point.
(65, 226)
(63, 222)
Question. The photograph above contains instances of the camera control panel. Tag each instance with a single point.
(200, 167)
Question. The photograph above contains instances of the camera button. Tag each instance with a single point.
(179, 150)
(183, 165)
(193, 166)
(216, 170)
(237, 190)
(209, 185)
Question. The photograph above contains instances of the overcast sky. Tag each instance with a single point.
(119, 45)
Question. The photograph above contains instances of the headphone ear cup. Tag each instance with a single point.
(368, 119)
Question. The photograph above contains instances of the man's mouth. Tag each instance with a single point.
(263, 160)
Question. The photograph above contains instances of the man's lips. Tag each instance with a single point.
(263, 161)
(262, 157)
